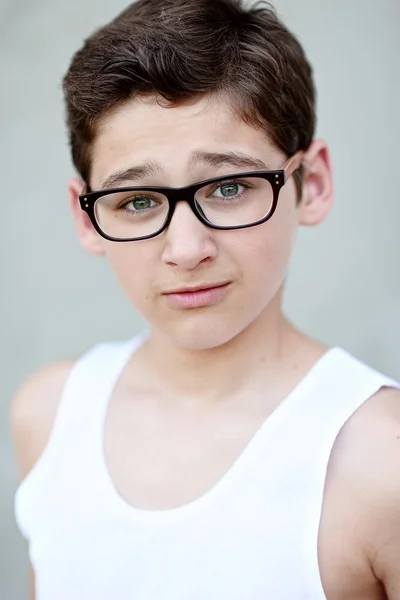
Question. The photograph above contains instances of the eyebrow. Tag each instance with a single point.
(216, 160)
(147, 169)
(234, 159)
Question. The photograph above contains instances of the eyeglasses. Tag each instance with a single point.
(236, 201)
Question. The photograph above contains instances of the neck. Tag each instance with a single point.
(261, 351)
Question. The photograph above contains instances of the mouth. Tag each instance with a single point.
(201, 287)
(197, 296)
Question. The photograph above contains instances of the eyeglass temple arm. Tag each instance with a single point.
(293, 163)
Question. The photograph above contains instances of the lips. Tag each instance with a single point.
(197, 288)
(197, 296)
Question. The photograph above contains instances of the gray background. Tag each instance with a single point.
(56, 301)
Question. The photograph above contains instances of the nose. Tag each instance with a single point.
(189, 242)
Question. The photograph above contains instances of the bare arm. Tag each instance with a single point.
(385, 539)
(32, 415)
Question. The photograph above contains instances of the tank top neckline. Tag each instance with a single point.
(148, 516)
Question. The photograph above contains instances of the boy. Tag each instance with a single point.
(223, 454)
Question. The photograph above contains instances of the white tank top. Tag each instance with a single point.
(253, 536)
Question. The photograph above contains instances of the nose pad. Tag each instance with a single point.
(200, 211)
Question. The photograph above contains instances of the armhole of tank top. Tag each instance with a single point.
(65, 412)
(374, 382)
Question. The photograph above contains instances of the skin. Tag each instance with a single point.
(203, 375)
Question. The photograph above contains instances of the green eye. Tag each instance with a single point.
(142, 203)
(230, 189)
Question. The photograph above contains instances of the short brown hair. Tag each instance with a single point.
(182, 50)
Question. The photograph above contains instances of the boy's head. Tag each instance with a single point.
(177, 86)
(181, 51)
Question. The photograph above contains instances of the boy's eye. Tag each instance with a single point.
(229, 189)
(139, 204)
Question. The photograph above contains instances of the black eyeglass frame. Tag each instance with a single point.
(277, 179)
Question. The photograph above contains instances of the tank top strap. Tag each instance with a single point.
(89, 386)
(343, 384)
(94, 377)
(83, 400)
(346, 384)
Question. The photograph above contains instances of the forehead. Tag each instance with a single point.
(142, 130)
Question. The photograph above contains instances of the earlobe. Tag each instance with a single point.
(318, 185)
(88, 236)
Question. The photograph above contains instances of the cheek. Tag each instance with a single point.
(266, 250)
(133, 267)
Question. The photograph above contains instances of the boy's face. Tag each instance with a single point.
(252, 262)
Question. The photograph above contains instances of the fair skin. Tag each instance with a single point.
(193, 396)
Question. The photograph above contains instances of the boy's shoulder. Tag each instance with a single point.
(363, 484)
(371, 437)
(33, 410)
(369, 442)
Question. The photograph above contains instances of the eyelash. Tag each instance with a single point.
(220, 184)
(126, 202)
(217, 186)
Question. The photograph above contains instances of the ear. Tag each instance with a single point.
(88, 236)
(317, 185)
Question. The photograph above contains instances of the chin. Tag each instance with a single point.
(201, 332)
